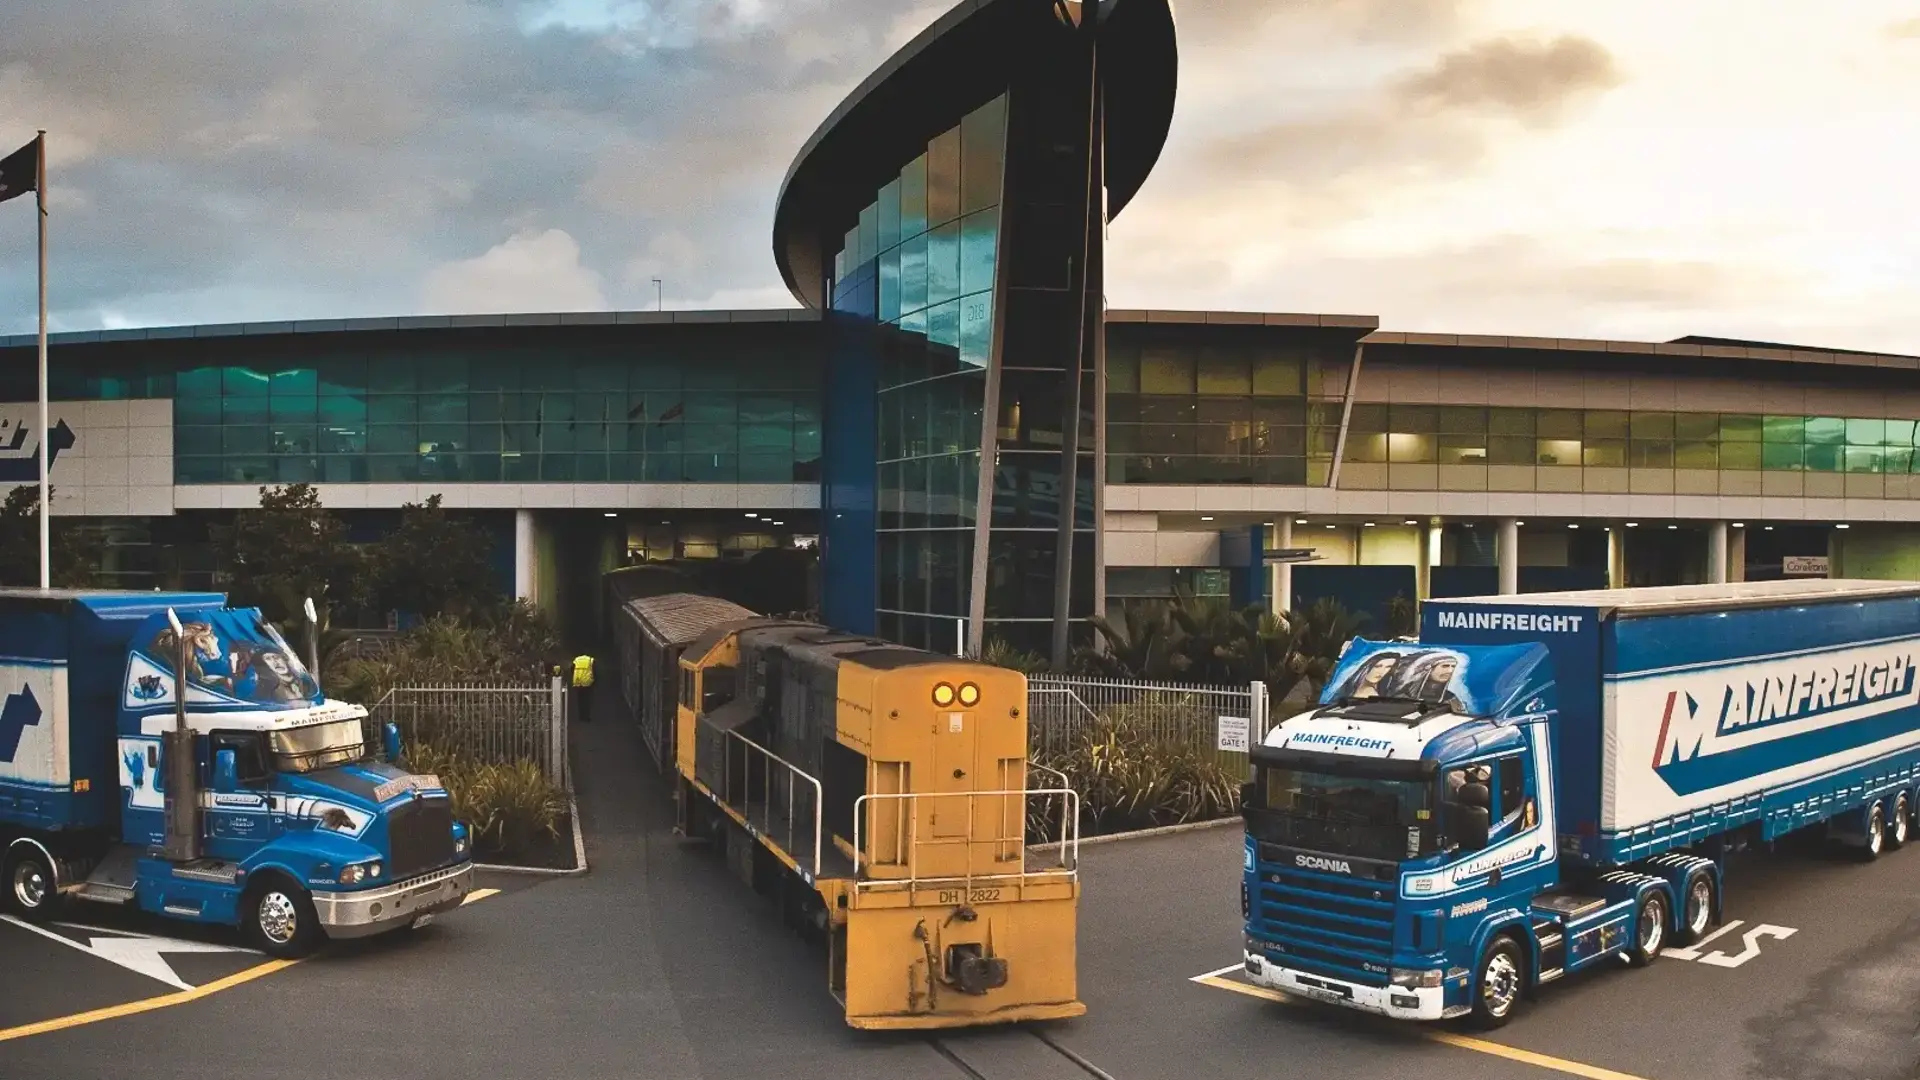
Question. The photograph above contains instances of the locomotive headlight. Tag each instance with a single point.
(943, 695)
(969, 694)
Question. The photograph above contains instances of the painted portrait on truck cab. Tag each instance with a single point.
(239, 658)
(1431, 676)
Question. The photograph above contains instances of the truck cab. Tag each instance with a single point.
(1401, 852)
(240, 794)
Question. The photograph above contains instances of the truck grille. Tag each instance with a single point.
(420, 834)
(1324, 923)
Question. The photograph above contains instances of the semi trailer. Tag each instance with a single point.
(167, 752)
(1547, 782)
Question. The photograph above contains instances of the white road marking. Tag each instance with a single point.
(137, 953)
(1752, 941)
(1692, 952)
(1217, 974)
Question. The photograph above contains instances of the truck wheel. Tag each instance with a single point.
(1876, 832)
(1902, 820)
(1498, 984)
(30, 891)
(278, 918)
(1697, 916)
(1650, 929)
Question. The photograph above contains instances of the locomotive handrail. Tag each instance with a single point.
(726, 793)
(1069, 834)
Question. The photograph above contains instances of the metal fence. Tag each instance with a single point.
(495, 723)
(1222, 720)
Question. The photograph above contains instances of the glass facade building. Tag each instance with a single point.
(718, 404)
(920, 264)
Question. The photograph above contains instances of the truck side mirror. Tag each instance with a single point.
(390, 736)
(225, 771)
(1248, 791)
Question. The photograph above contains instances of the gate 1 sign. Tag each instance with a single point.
(1233, 733)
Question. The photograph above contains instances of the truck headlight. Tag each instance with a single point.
(1409, 978)
(359, 872)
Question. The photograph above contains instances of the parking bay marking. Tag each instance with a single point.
(178, 997)
(1717, 958)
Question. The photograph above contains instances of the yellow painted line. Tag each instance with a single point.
(1464, 1042)
(180, 997)
(132, 1008)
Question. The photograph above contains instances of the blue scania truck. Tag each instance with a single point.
(168, 752)
(1546, 782)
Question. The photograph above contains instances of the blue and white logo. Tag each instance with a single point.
(17, 466)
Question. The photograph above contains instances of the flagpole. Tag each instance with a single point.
(46, 441)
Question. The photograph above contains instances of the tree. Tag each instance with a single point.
(433, 564)
(289, 549)
(76, 550)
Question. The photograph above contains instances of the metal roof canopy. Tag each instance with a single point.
(1670, 599)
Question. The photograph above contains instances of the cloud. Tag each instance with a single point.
(1905, 29)
(529, 272)
(1533, 81)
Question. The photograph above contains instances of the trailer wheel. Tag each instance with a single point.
(1876, 832)
(277, 916)
(1697, 916)
(1499, 984)
(1650, 929)
(1902, 821)
(30, 884)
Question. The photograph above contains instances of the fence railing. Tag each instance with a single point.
(496, 724)
(1222, 720)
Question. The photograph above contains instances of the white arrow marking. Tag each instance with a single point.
(1692, 952)
(136, 953)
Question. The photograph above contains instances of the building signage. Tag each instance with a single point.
(1804, 566)
(104, 458)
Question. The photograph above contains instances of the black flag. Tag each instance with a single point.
(20, 171)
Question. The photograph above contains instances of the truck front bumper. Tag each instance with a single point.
(1398, 1002)
(365, 912)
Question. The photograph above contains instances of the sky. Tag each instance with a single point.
(1637, 169)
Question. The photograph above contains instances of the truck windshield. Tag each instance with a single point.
(1347, 815)
(318, 746)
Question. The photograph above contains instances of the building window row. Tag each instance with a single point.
(1608, 438)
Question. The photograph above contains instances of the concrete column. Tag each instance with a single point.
(1616, 558)
(523, 555)
(1737, 556)
(1282, 572)
(1430, 557)
(1717, 553)
(1506, 550)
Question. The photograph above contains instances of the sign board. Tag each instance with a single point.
(1804, 566)
(1290, 555)
(1234, 733)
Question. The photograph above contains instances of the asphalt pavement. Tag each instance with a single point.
(657, 964)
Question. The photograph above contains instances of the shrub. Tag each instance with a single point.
(508, 806)
(513, 645)
(1135, 774)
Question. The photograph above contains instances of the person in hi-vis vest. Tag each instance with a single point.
(583, 684)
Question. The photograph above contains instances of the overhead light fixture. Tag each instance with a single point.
(1633, 524)
(1369, 524)
(1673, 526)
(1767, 528)
(612, 514)
(1268, 524)
(1573, 525)
(1843, 525)
(1206, 517)
(1331, 526)
(751, 514)
(1299, 521)
(1739, 524)
(1517, 524)
(1410, 521)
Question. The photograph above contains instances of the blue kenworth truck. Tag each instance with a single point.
(166, 751)
(1546, 782)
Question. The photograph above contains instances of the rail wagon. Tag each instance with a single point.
(880, 793)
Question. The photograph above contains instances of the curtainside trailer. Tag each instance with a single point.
(1543, 783)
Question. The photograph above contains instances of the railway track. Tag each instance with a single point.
(1020, 1054)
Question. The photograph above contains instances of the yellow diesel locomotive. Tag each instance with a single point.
(881, 793)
